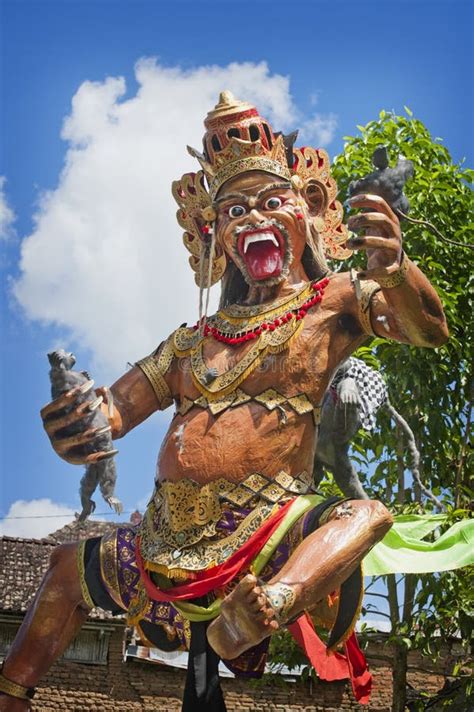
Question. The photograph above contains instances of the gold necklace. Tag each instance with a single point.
(255, 312)
(267, 337)
(237, 319)
(187, 342)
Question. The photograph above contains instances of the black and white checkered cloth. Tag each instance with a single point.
(371, 386)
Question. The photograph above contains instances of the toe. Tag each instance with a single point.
(249, 582)
(247, 586)
(259, 604)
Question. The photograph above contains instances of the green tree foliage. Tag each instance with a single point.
(431, 388)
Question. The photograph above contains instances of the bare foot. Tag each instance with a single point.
(245, 619)
(12, 704)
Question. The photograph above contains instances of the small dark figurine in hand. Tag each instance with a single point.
(385, 181)
(102, 472)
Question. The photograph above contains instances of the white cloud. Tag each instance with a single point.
(106, 259)
(319, 130)
(35, 518)
(7, 216)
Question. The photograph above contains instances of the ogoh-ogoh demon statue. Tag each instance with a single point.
(235, 543)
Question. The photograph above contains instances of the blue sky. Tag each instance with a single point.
(325, 66)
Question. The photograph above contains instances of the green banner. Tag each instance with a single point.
(403, 550)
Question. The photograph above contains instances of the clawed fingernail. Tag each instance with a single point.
(85, 387)
(108, 455)
(96, 403)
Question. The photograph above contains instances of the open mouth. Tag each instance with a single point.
(263, 252)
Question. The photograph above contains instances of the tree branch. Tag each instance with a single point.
(415, 455)
(462, 454)
(393, 600)
(435, 231)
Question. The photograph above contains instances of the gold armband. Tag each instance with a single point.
(397, 277)
(154, 367)
(365, 290)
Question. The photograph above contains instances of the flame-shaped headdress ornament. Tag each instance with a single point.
(238, 140)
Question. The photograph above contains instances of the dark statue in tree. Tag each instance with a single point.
(351, 402)
(385, 181)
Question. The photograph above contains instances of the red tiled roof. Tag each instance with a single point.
(76, 531)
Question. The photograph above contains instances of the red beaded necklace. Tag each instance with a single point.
(297, 313)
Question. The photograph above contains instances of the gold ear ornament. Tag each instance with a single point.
(297, 182)
(195, 209)
(312, 166)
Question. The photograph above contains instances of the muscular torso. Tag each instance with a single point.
(249, 438)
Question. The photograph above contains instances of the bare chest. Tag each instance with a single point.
(294, 362)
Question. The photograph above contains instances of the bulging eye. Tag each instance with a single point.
(236, 211)
(273, 203)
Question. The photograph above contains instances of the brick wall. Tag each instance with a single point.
(137, 686)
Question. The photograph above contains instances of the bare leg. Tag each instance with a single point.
(53, 620)
(321, 563)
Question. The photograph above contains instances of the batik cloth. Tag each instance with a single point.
(371, 387)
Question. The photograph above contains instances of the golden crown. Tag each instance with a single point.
(238, 140)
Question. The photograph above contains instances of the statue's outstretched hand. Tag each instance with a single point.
(381, 238)
(348, 392)
(68, 424)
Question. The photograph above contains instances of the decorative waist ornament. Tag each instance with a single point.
(185, 530)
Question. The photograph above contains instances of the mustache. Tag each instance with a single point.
(271, 222)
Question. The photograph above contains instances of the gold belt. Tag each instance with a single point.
(179, 527)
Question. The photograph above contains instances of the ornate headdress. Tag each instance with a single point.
(238, 140)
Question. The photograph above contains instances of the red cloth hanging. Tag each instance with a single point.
(334, 666)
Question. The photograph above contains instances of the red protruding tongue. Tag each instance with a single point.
(263, 259)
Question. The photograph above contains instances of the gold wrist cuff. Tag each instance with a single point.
(364, 291)
(397, 277)
(13, 689)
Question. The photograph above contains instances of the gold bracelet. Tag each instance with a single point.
(364, 292)
(397, 277)
(13, 689)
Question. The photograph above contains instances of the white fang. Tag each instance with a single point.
(259, 237)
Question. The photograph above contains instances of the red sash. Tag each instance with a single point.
(217, 576)
(328, 667)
